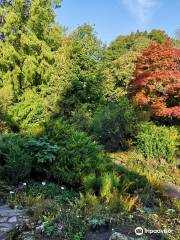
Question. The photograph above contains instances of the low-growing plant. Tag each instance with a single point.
(50, 229)
(119, 202)
(49, 190)
(21, 199)
(74, 222)
(109, 182)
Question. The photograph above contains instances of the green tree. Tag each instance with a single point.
(82, 54)
(118, 75)
(158, 36)
(119, 64)
(31, 39)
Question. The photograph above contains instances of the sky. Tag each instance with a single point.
(112, 18)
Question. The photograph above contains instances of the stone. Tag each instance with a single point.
(39, 229)
(118, 236)
(9, 219)
(27, 236)
(5, 225)
(10, 213)
(4, 229)
(3, 219)
(12, 219)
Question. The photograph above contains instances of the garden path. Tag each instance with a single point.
(9, 219)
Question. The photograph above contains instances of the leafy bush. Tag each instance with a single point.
(43, 154)
(17, 161)
(114, 125)
(156, 142)
(78, 155)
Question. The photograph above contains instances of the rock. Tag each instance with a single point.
(27, 236)
(12, 219)
(39, 222)
(60, 228)
(39, 229)
(3, 219)
(118, 236)
(9, 219)
(5, 225)
(4, 229)
(10, 212)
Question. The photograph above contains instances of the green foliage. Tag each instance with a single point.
(50, 229)
(58, 193)
(31, 110)
(42, 151)
(114, 125)
(109, 182)
(158, 35)
(157, 142)
(75, 225)
(28, 60)
(118, 202)
(17, 161)
(50, 190)
(7, 125)
(118, 64)
(84, 52)
(123, 44)
(82, 118)
(78, 155)
(118, 75)
(43, 154)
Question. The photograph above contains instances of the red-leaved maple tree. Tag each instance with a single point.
(157, 80)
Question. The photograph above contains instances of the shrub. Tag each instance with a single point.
(78, 155)
(114, 125)
(103, 185)
(156, 142)
(43, 154)
(17, 161)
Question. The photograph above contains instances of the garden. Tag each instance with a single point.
(89, 133)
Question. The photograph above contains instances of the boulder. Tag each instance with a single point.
(118, 236)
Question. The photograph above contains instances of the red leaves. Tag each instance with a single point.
(157, 79)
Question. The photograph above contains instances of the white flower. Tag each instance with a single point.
(62, 188)
(43, 183)
(11, 192)
(24, 184)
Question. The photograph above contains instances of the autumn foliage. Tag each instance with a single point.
(157, 80)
